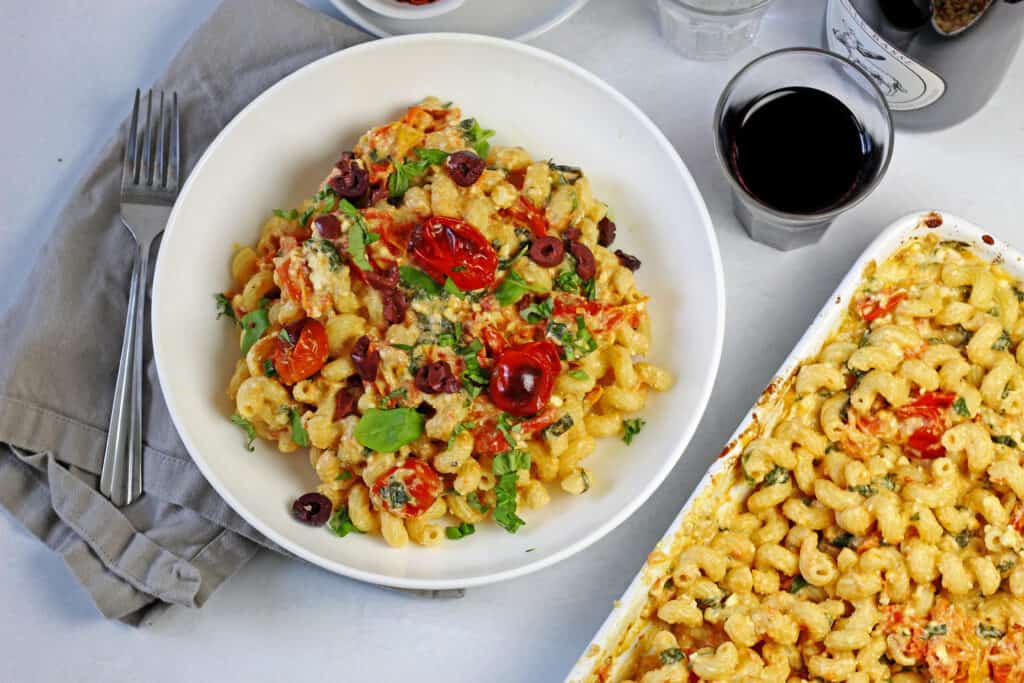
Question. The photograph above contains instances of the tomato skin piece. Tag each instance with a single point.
(523, 377)
(306, 357)
(488, 440)
(450, 248)
(871, 309)
(493, 340)
(420, 484)
(925, 441)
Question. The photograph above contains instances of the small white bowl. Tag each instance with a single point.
(405, 10)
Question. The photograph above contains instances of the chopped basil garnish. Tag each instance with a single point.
(538, 312)
(224, 308)
(476, 137)
(461, 531)
(512, 289)
(505, 499)
(299, 434)
(988, 631)
(671, 656)
(289, 215)
(560, 426)
(866, 490)
(1018, 293)
(579, 374)
(798, 584)
(574, 345)
(326, 247)
(453, 289)
(399, 394)
(960, 406)
(963, 538)
(344, 475)
(778, 475)
(248, 428)
(268, 368)
(630, 428)
(459, 428)
(568, 281)
(394, 494)
(1005, 440)
(474, 378)
(405, 172)
(505, 263)
(254, 325)
(934, 630)
(359, 236)
(385, 431)
(1003, 343)
(341, 524)
(889, 481)
(510, 461)
(589, 289)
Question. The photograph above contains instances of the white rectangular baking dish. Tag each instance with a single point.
(614, 647)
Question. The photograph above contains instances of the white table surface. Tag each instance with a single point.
(68, 69)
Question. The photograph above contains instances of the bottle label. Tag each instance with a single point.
(906, 84)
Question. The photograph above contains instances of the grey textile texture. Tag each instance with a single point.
(62, 337)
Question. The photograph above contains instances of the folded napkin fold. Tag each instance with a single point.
(62, 337)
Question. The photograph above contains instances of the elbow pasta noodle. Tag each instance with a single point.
(879, 530)
(442, 370)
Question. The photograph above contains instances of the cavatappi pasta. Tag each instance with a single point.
(446, 329)
(878, 533)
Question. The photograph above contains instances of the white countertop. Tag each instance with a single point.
(68, 70)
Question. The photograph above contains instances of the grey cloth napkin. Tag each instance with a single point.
(62, 336)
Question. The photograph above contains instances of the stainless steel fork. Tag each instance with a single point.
(149, 186)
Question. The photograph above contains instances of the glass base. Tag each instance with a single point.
(784, 237)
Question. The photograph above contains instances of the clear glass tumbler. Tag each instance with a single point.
(811, 68)
(710, 29)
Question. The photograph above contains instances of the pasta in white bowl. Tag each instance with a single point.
(275, 155)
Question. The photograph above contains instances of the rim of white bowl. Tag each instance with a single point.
(674, 452)
(567, 12)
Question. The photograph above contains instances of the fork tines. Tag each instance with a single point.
(148, 163)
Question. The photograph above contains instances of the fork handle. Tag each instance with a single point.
(134, 479)
(114, 474)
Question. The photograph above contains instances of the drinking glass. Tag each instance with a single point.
(710, 29)
(811, 68)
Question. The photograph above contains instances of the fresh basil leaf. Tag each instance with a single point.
(476, 137)
(513, 288)
(454, 533)
(254, 326)
(359, 236)
(432, 156)
(416, 279)
(224, 308)
(248, 428)
(341, 524)
(510, 461)
(289, 215)
(538, 312)
(299, 434)
(385, 431)
(630, 428)
(505, 503)
(268, 368)
(568, 281)
(451, 288)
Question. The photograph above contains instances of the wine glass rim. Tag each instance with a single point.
(753, 7)
(787, 215)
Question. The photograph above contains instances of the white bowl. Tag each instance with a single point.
(274, 154)
(404, 10)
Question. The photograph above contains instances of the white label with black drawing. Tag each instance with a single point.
(905, 83)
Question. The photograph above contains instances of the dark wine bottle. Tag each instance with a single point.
(936, 61)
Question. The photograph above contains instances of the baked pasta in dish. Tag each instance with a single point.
(874, 532)
(445, 327)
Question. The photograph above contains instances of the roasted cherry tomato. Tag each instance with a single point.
(523, 377)
(447, 247)
(529, 214)
(488, 440)
(877, 305)
(493, 340)
(303, 359)
(407, 490)
(927, 409)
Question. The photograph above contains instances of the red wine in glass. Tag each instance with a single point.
(800, 150)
